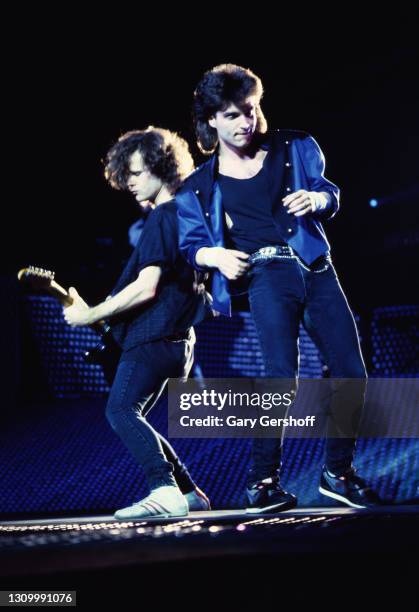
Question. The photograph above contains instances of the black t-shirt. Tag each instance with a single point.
(249, 205)
(176, 306)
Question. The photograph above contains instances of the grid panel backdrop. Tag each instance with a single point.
(62, 457)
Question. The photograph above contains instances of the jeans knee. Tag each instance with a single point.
(111, 414)
(115, 412)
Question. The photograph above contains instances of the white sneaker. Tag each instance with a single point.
(162, 502)
(197, 500)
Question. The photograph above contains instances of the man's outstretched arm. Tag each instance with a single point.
(142, 290)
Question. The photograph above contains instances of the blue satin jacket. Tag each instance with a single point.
(295, 161)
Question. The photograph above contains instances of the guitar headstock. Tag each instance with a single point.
(36, 278)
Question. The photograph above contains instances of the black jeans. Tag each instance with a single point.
(140, 379)
(283, 293)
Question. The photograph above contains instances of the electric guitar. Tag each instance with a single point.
(107, 352)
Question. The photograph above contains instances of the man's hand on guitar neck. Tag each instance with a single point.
(79, 313)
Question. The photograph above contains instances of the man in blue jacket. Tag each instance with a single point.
(254, 212)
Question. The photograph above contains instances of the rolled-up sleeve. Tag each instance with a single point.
(314, 165)
(193, 234)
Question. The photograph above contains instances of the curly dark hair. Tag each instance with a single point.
(219, 87)
(165, 154)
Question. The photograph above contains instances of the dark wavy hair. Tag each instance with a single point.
(165, 154)
(219, 87)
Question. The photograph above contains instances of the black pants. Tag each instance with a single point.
(140, 379)
(283, 293)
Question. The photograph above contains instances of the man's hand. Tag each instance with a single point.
(79, 312)
(302, 202)
(231, 263)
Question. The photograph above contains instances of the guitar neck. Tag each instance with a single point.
(59, 293)
(64, 298)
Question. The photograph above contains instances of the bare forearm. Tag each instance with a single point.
(132, 295)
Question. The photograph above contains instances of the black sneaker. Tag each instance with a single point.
(349, 489)
(268, 496)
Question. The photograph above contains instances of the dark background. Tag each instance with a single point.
(75, 83)
(72, 82)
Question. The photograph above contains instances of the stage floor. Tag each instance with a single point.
(87, 542)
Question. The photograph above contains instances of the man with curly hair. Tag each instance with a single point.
(254, 211)
(152, 310)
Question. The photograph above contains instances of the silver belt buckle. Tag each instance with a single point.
(267, 251)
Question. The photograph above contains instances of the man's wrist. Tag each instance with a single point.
(209, 256)
(93, 316)
(100, 312)
(321, 200)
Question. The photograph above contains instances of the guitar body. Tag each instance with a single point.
(106, 353)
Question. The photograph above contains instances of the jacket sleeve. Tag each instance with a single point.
(314, 165)
(193, 230)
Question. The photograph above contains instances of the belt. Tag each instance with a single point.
(270, 252)
(284, 251)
